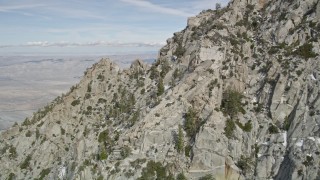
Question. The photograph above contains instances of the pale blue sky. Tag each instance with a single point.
(59, 25)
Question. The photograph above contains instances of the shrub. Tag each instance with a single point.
(229, 128)
(37, 133)
(244, 163)
(13, 152)
(312, 113)
(103, 154)
(258, 108)
(11, 176)
(286, 124)
(211, 85)
(308, 161)
(154, 73)
(179, 52)
(160, 88)
(273, 50)
(180, 143)
(187, 150)
(305, 51)
(299, 72)
(153, 169)
(142, 91)
(26, 162)
(181, 176)
(101, 101)
(231, 103)
(136, 163)
(247, 127)
(63, 131)
(282, 16)
(207, 177)
(192, 123)
(100, 77)
(165, 68)
(75, 102)
(100, 177)
(28, 133)
(125, 152)
(103, 136)
(89, 87)
(273, 129)
(44, 173)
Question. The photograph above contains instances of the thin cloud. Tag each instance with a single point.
(157, 8)
(86, 44)
(10, 8)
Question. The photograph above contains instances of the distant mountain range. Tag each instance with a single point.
(30, 82)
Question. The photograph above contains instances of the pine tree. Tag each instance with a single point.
(160, 88)
(103, 154)
(180, 143)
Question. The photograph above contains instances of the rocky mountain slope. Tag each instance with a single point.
(235, 95)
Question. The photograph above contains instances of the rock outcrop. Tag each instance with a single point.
(235, 95)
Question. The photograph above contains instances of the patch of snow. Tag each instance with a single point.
(310, 155)
(300, 143)
(259, 155)
(62, 172)
(312, 77)
(284, 139)
(312, 138)
(265, 143)
(166, 87)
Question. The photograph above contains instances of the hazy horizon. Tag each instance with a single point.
(28, 83)
(41, 25)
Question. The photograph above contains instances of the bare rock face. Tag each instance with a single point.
(235, 95)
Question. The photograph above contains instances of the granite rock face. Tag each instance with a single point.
(234, 95)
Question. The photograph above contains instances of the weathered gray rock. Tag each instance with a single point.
(115, 122)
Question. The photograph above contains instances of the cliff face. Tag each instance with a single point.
(234, 95)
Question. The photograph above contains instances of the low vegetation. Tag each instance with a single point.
(305, 51)
(231, 103)
(75, 102)
(192, 123)
(244, 163)
(25, 164)
(247, 127)
(229, 128)
(155, 169)
(180, 141)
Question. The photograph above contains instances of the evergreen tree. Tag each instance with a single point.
(180, 142)
(160, 88)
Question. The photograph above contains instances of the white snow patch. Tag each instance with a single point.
(310, 155)
(62, 172)
(312, 138)
(166, 87)
(265, 143)
(259, 155)
(300, 143)
(284, 139)
(312, 77)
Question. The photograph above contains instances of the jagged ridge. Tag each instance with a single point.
(242, 81)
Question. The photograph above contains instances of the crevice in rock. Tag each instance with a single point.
(315, 100)
(291, 117)
(273, 85)
(286, 169)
